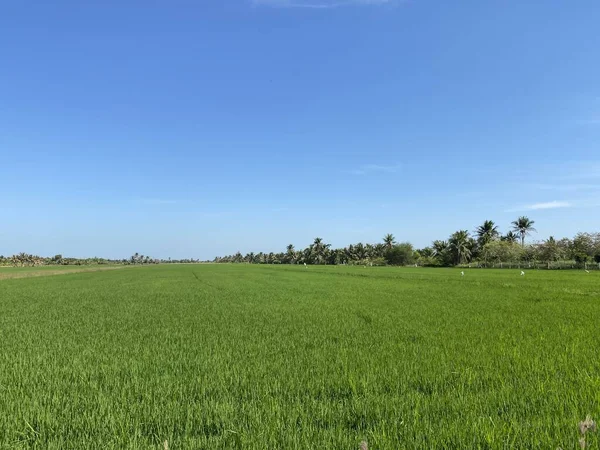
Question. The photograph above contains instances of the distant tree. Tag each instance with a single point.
(426, 252)
(582, 247)
(388, 241)
(460, 246)
(360, 252)
(290, 254)
(550, 250)
(400, 254)
(524, 227)
(501, 251)
(379, 250)
(486, 232)
(510, 237)
(319, 250)
(441, 252)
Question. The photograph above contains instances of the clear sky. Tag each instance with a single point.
(191, 128)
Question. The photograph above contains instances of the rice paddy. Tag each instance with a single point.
(257, 357)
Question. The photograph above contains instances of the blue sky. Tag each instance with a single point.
(191, 128)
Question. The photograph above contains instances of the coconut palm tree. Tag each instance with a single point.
(486, 232)
(439, 247)
(389, 240)
(510, 237)
(319, 250)
(290, 254)
(360, 252)
(460, 246)
(524, 227)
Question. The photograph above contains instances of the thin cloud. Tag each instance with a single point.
(549, 205)
(316, 4)
(541, 206)
(373, 168)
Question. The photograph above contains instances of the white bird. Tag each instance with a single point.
(462, 274)
(522, 273)
(305, 265)
(587, 271)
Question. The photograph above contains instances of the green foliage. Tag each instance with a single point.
(282, 357)
(510, 237)
(460, 247)
(486, 232)
(400, 254)
(487, 246)
(501, 251)
(524, 227)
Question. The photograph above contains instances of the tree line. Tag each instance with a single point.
(28, 260)
(484, 247)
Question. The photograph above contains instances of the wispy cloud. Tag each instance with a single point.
(549, 205)
(541, 206)
(317, 4)
(371, 168)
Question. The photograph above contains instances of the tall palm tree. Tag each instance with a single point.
(389, 240)
(460, 246)
(320, 250)
(290, 253)
(510, 237)
(486, 232)
(524, 227)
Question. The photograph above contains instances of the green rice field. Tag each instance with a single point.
(287, 357)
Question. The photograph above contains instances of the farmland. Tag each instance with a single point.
(244, 356)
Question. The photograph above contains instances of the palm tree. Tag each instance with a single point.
(360, 252)
(486, 232)
(290, 254)
(439, 247)
(524, 227)
(460, 246)
(389, 240)
(319, 250)
(510, 237)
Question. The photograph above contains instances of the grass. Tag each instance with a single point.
(234, 356)
(41, 271)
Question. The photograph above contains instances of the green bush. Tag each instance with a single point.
(400, 255)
